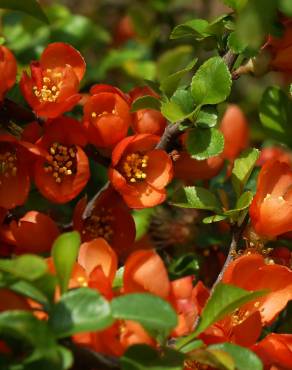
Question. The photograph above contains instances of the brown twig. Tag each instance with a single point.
(236, 236)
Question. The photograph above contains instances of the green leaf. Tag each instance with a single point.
(170, 83)
(243, 358)
(276, 114)
(207, 117)
(27, 266)
(255, 21)
(31, 7)
(198, 198)
(235, 4)
(235, 44)
(142, 357)
(214, 218)
(80, 310)
(25, 328)
(286, 7)
(179, 107)
(224, 300)
(212, 82)
(146, 102)
(195, 344)
(142, 218)
(196, 28)
(152, 312)
(30, 291)
(204, 143)
(64, 252)
(242, 203)
(185, 265)
(174, 60)
(216, 358)
(242, 169)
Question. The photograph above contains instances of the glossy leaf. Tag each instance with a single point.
(207, 117)
(211, 83)
(242, 169)
(28, 266)
(138, 306)
(146, 102)
(80, 310)
(204, 143)
(179, 107)
(197, 28)
(198, 198)
(225, 299)
(243, 357)
(170, 83)
(64, 253)
(142, 357)
(215, 358)
(242, 203)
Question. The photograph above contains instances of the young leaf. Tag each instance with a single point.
(173, 60)
(217, 359)
(179, 107)
(211, 83)
(146, 102)
(225, 299)
(197, 28)
(142, 357)
(207, 117)
(142, 220)
(198, 198)
(31, 7)
(242, 203)
(154, 313)
(204, 143)
(64, 253)
(170, 83)
(28, 267)
(242, 169)
(80, 310)
(214, 218)
(243, 357)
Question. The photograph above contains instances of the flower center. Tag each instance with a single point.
(104, 113)
(99, 226)
(62, 161)
(134, 166)
(239, 316)
(50, 89)
(8, 164)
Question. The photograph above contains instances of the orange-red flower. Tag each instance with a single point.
(106, 116)
(52, 88)
(281, 49)
(63, 172)
(275, 350)
(271, 209)
(274, 153)
(145, 272)
(139, 172)
(250, 272)
(124, 31)
(8, 69)
(189, 169)
(106, 216)
(234, 127)
(147, 121)
(35, 232)
(14, 170)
